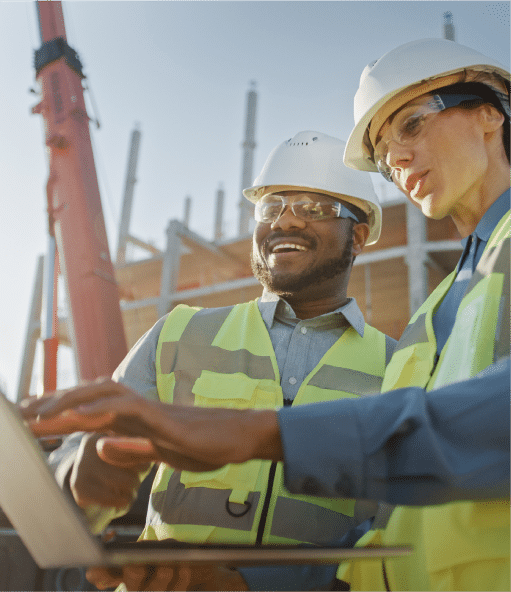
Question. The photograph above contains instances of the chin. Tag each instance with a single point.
(431, 207)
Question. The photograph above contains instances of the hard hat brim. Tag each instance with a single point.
(396, 65)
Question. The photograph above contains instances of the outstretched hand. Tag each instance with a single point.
(186, 438)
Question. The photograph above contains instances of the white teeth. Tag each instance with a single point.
(288, 246)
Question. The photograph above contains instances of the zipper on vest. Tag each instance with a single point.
(266, 505)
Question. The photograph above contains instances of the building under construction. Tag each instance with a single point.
(389, 280)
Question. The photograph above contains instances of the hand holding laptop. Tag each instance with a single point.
(107, 481)
(165, 577)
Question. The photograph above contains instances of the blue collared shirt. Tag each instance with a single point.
(300, 344)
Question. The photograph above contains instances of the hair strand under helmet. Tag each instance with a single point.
(403, 74)
(312, 161)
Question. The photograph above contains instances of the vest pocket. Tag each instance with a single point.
(240, 477)
(235, 391)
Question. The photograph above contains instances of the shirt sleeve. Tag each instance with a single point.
(138, 369)
(406, 447)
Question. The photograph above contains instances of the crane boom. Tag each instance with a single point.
(74, 204)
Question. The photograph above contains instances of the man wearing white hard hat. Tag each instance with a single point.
(432, 116)
(303, 341)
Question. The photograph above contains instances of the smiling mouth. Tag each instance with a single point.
(287, 248)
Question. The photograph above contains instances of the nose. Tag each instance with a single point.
(399, 156)
(288, 220)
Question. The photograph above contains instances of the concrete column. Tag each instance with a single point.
(170, 268)
(416, 257)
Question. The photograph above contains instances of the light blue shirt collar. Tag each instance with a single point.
(491, 218)
(272, 306)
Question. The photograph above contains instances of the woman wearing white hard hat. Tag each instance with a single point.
(433, 117)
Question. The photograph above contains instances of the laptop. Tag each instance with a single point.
(56, 534)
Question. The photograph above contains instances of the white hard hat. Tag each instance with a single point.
(417, 67)
(313, 161)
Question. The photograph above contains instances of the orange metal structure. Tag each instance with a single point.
(74, 207)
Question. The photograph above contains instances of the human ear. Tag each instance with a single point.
(360, 236)
(491, 118)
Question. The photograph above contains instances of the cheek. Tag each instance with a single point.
(333, 235)
(260, 234)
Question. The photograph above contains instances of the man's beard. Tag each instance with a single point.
(286, 285)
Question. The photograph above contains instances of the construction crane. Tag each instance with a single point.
(75, 213)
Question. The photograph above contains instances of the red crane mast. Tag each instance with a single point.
(74, 207)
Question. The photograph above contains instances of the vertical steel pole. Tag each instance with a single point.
(49, 334)
(219, 213)
(246, 208)
(187, 212)
(131, 179)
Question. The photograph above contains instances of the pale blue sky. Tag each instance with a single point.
(182, 69)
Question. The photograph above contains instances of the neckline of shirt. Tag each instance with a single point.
(273, 307)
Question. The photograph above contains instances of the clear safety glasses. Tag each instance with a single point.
(306, 206)
(411, 121)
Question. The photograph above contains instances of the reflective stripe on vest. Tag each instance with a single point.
(462, 545)
(224, 358)
(353, 381)
(179, 505)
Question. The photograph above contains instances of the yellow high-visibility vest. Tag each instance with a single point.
(461, 545)
(224, 358)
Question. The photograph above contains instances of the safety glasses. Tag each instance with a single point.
(411, 122)
(306, 206)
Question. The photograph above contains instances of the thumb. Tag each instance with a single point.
(126, 452)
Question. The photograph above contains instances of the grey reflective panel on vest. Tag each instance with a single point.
(200, 331)
(205, 324)
(382, 516)
(415, 333)
(497, 260)
(344, 379)
(364, 509)
(311, 523)
(194, 353)
(192, 359)
(201, 506)
(390, 346)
